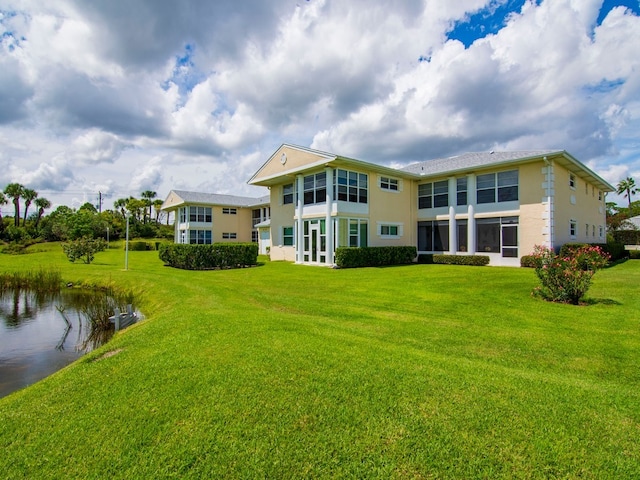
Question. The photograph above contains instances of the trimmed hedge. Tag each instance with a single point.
(475, 260)
(208, 257)
(634, 254)
(354, 257)
(615, 250)
(139, 246)
(627, 237)
(528, 261)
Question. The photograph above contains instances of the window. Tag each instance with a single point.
(601, 231)
(387, 183)
(287, 194)
(287, 236)
(433, 195)
(229, 211)
(461, 191)
(254, 236)
(600, 195)
(315, 188)
(352, 232)
(350, 186)
(433, 236)
(462, 234)
(390, 230)
(572, 181)
(586, 188)
(200, 214)
(593, 230)
(183, 215)
(501, 187)
(229, 235)
(586, 233)
(498, 235)
(573, 228)
(200, 237)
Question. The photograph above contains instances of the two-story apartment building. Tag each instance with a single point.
(205, 218)
(499, 204)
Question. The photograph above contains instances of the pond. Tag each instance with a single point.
(41, 333)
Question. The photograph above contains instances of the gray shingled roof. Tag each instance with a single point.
(471, 160)
(218, 199)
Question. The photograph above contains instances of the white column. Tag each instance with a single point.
(300, 223)
(471, 222)
(329, 224)
(452, 216)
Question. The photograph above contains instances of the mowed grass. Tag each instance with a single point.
(287, 371)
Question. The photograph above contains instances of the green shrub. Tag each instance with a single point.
(615, 250)
(207, 257)
(627, 237)
(634, 254)
(566, 277)
(475, 260)
(354, 257)
(139, 246)
(528, 261)
(83, 248)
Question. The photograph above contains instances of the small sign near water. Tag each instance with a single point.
(35, 338)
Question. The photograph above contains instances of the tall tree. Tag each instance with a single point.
(627, 187)
(3, 201)
(157, 204)
(120, 205)
(148, 196)
(14, 191)
(28, 195)
(42, 204)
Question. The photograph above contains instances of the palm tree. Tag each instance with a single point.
(14, 190)
(28, 196)
(628, 188)
(120, 206)
(148, 196)
(157, 204)
(42, 204)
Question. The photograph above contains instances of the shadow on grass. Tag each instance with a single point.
(600, 301)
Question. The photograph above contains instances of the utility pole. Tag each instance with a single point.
(99, 202)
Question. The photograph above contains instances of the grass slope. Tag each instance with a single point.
(286, 371)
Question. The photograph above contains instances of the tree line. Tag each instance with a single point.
(65, 223)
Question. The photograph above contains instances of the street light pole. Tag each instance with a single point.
(126, 246)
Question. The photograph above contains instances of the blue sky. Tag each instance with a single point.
(122, 97)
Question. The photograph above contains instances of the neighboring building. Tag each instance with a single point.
(499, 204)
(206, 218)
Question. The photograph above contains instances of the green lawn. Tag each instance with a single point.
(287, 371)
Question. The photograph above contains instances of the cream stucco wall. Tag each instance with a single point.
(533, 218)
(281, 216)
(240, 224)
(389, 207)
(581, 204)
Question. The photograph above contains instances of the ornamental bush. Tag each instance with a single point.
(83, 248)
(475, 260)
(354, 257)
(566, 278)
(207, 257)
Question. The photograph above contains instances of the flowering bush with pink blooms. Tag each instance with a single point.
(566, 278)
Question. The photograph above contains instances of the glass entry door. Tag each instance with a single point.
(315, 241)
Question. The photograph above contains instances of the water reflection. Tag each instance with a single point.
(43, 332)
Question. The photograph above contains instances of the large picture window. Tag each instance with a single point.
(433, 195)
(201, 237)
(461, 191)
(315, 188)
(200, 214)
(287, 236)
(350, 186)
(498, 235)
(433, 236)
(352, 232)
(497, 187)
(287, 194)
